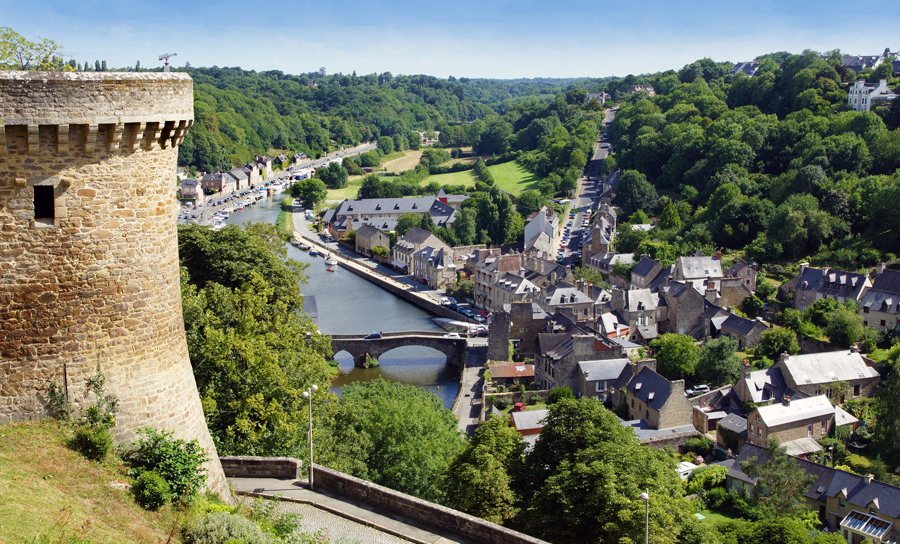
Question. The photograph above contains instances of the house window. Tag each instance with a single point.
(824, 427)
(809, 430)
(758, 432)
(751, 428)
(865, 309)
(43, 202)
(882, 322)
(842, 501)
(856, 390)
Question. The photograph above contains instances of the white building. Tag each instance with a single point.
(862, 95)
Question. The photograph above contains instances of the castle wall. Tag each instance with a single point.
(94, 284)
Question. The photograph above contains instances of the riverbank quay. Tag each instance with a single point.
(405, 291)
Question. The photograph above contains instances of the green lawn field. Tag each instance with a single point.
(509, 176)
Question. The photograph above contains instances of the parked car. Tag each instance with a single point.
(468, 313)
(484, 313)
(373, 336)
(697, 390)
(481, 333)
(454, 306)
(452, 335)
(445, 301)
(480, 319)
(452, 300)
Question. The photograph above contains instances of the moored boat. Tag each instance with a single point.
(330, 261)
(329, 269)
(313, 252)
(303, 246)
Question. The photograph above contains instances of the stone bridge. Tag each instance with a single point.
(362, 350)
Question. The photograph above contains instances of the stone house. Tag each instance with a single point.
(542, 222)
(487, 268)
(218, 183)
(817, 373)
(407, 245)
(645, 272)
(368, 238)
(791, 419)
(526, 321)
(641, 310)
(264, 166)
(241, 178)
(511, 373)
(761, 386)
(605, 261)
(859, 507)
(435, 266)
(656, 400)
(191, 189)
(745, 272)
(566, 296)
(375, 210)
(731, 433)
(511, 288)
(686, 307)
(528, 422)
(815, 283)
(605, 380)
(561, 345)
(879, 306)
(746, 332)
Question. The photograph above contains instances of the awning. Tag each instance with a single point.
(398, 264)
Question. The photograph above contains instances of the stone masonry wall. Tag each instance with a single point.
(96, 287)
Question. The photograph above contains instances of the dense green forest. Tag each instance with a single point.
(776, 164)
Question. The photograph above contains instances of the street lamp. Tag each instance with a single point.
(308, 395)
(645, 496)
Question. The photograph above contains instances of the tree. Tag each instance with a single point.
(718, 363)
(310, 191)
(386, 145)
(887, 414)
(781, 485)
(529, 201)
(583, 479)
(669, 219)
(753, 305)
(479, 481)
(464, 226)
(406, 222)
(676, 355)
(335, 176)
(17, 53)
(396, 435)
(777, 340)
(844, 327)
(635, 192)
(426, 222)
(559, 393)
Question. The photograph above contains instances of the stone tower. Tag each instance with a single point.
(498, 339)
(88, 248)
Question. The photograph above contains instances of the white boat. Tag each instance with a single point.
(330, 261)
(303, 246)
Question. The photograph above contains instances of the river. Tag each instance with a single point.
(348, 304)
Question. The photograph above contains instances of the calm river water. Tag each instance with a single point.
(348, 304)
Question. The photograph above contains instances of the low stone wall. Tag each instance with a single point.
(675, 441)
(283, 468)
(428, 513)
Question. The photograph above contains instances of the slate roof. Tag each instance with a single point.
(645, 432)
(644, 267)
(884, 295)
(640, 300)
(649, 384)
(442, 214)
(831, 366)
(529, 419)
(699, 267)
(775, 415)
(734, 423)
(740, 325)
(737, 267)
(611, 370)
(842, 418)
(562, 294)
(833, 283)
(515, 284)
(748, 68)
(189, 182)
(766, 385)
(367, 231)
(830, 482)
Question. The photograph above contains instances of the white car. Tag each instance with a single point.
(452, 335)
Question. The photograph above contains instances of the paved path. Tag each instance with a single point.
(346, 520)
(468, 403)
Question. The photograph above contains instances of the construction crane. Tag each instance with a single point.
(165, 56)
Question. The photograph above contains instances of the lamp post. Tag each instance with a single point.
(645, 496)
(308, 395)
(830, 454)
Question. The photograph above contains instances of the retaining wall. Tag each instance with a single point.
(283, 468)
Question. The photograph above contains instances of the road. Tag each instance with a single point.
(586, 198)
(468, 404)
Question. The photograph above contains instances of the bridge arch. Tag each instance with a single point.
(362, 350)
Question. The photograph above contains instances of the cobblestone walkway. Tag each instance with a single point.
(337, 529)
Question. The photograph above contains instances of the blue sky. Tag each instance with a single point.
(463, 38)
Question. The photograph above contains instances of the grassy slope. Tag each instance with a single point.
(509, 176)
(46, 488)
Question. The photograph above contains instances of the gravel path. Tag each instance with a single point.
(337, 529)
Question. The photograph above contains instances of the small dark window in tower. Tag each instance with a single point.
(43, 202)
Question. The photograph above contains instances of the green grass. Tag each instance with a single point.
(48, 490)
(466, 177)
(878, 354)
(859, 463)
(714, 517)
(513, 177)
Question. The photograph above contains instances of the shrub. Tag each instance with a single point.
(93, 442)
(178, 462)
(150, 490)
(717, 498)
(701, 446)
(533, 399)
(501, 403)
(219, 527)
(559, 393)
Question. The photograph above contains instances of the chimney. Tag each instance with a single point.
(803, 266)
(644, 363)
(786, 400)
(869, 478)
(718, 255)
(677, 388)
(879, 268)
(745, 369)
(783, 357)
(854, 349)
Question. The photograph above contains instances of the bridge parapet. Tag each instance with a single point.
(359, 348)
